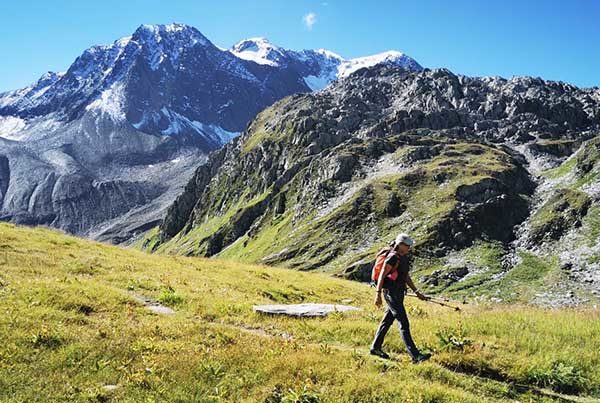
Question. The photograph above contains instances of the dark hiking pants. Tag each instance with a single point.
(394, 298)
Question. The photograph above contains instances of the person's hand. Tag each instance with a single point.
(378, 300)
(421, 296)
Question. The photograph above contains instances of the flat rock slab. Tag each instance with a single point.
(303, 309)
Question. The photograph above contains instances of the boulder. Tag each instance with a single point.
(359, 271)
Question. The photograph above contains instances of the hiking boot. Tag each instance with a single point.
(379, 353)
(421, 357)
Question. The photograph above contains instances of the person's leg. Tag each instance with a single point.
(384, 326)
(405, 332)
(396, 306)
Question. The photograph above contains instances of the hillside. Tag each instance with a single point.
(321, 181)
(73, 329)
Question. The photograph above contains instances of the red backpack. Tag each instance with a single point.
(380, 262)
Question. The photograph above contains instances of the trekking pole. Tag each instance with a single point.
(464, 302)
(429, 299)
(448, 300)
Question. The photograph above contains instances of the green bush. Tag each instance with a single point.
(453, 338)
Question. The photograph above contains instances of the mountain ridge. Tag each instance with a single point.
(334, 174)
(164, 96)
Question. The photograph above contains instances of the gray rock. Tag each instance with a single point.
(359, 271)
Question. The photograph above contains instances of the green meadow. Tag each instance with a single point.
(72, 328)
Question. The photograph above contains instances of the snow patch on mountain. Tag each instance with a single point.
(18, 129)
(11, 127)
(329, 54)
(316, 83)
(233, 66)
(224, 135)
(11, 97)
(45, 83)
(348, 67)
(179, 123)
(110, 102)
(258, 50)
(31, 92)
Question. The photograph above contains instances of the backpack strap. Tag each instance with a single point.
(397, 259)
(384, 251)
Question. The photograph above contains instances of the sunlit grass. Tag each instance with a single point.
(70, 326)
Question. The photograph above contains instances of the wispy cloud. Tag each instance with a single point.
(309, 20)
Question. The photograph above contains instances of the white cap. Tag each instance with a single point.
(404, 238)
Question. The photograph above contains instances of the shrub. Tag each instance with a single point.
(453, 339)
(560, 377)
(304, 395)
(46, 338)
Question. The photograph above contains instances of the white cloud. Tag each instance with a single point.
(309, 20)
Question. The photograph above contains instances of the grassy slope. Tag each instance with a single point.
(70, 325)
(426, 202)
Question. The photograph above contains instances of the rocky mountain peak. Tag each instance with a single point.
(328, 54)
(390, 57)
(181, 34)
(49, 78)
(259, 50)
(254, 44)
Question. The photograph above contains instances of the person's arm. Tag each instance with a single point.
(412, 286)
(386, 270)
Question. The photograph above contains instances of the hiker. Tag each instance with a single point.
(391, 281)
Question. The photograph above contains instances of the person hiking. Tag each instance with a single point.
(392, 281)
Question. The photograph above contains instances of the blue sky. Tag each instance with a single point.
(558, 40)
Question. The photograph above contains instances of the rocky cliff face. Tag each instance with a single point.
(321, 181)
(102, 149)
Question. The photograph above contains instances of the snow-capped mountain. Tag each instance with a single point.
(102, 148)
(318, 68)
(171, 80)
(162, 80)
